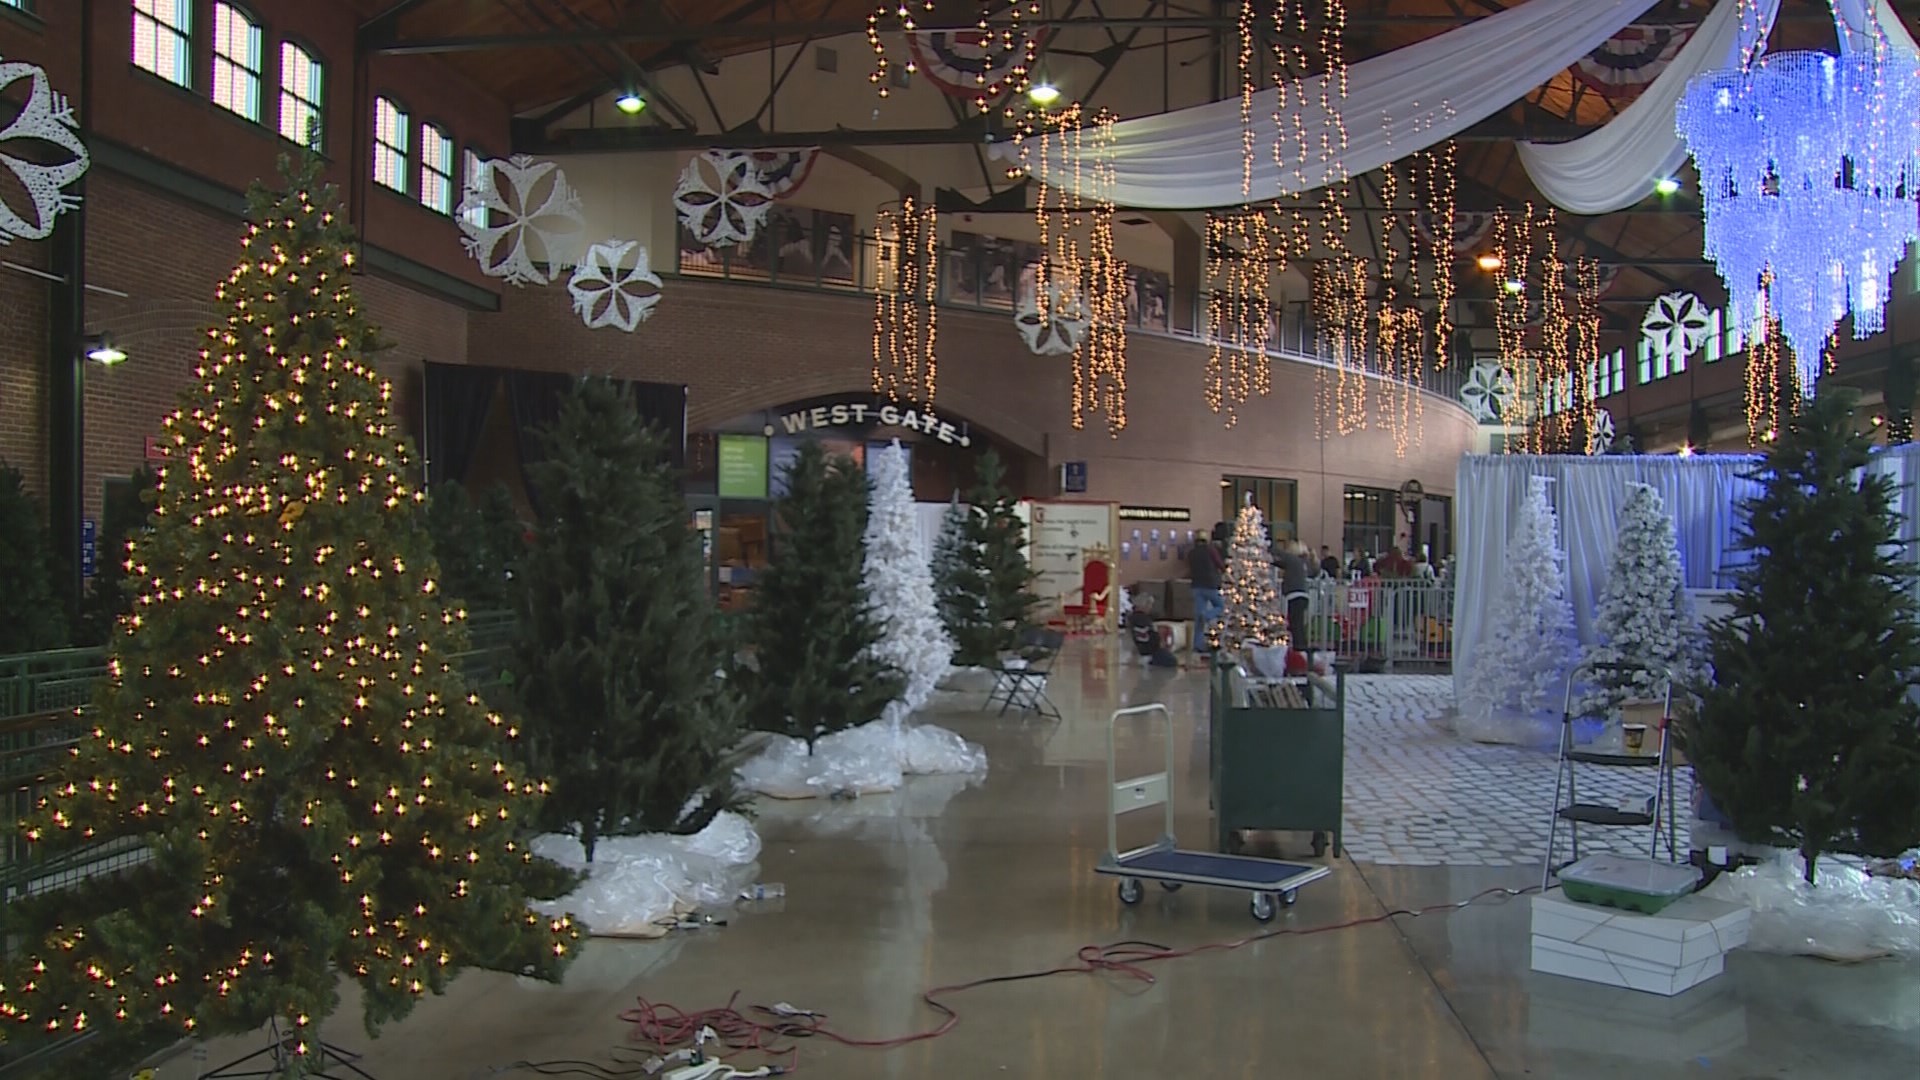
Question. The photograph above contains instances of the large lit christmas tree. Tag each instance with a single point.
(1809, 735)
(317, 795)
(1254, 614)
(620, 647)
(1644, 622)
(899, 583)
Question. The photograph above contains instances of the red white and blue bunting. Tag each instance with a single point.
(964, 63)
(1631, 59)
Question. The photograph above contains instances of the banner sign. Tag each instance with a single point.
(866, 413)
(1155, 513)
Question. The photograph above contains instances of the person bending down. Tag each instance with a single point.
(1146, 636)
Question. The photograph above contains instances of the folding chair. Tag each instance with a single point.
(1020, 679)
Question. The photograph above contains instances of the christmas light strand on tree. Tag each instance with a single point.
(1254, 613)
(281, 729)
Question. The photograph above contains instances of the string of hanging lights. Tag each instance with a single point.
(906, 320)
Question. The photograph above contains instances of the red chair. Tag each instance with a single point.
(1096, 592)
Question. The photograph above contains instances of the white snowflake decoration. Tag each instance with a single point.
(615, 286)
(1489, 390)
(1600, 432)
(1061, 329)
(46, 119)
(721, 198)
(532, 215)
(1675, 327)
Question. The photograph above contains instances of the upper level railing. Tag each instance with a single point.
(991, 282)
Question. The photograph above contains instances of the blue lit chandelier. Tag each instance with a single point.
(1809, 171)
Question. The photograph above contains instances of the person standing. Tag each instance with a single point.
(1329, 562)
(1294, 569)
(1205, 562)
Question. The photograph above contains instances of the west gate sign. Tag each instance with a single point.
(864, 414)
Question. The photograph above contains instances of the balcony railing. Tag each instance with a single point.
(856, 267)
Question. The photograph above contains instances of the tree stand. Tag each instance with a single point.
(277, 1058)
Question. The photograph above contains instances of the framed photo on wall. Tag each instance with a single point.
(961, 271)
(698, 258)
(833, 240)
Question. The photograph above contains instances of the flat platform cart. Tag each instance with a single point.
(1273, 883)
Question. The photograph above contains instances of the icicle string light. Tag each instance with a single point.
(906, 321)
(1079, 264)
(1239, 310)
(1771, 385)
(1556, 328)
(1587, 356)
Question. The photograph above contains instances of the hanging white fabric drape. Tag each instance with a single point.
(1616, 166)
(1396, 104)
(1703, 493)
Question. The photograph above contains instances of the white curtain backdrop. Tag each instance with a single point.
(1703, 493)
(1616, 166)
(931, 516)
(1901, 464)
(1396, 104)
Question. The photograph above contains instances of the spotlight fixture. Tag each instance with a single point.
(1043, 93)
(1488, 262)
(1686, 449)
(630, 102)
(101, 350)
(1666, 185)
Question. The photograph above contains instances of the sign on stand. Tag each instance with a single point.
(1059, 536)
(89, 547)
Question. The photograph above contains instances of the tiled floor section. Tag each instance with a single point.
(1419, 795)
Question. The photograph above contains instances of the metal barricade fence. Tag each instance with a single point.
(1382, 624)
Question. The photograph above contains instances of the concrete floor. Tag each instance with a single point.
(944, 882)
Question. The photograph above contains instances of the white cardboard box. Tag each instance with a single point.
(1665, 954)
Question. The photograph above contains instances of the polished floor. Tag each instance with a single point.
(949, 880)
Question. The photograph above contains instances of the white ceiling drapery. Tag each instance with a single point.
(1397, 103)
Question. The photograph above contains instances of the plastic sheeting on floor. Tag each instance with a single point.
(865, 760)
(1848, 915)
(638, 885)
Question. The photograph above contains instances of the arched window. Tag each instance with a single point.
(436, 169)
(391, 128)
(476, 173)
(236, 61)
(302, 86)
(163, 39)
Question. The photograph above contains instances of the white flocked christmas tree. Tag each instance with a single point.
(1519, 669)
(1644, 618)
(899, 582)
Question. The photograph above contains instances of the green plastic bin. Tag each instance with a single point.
(1631, 884)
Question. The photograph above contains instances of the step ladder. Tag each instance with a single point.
(1660, 818)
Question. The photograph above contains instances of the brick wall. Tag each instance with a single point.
(741, 349)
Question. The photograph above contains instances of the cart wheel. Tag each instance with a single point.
(1319, 844)
(1170, 886)
(1289, 897)
(1262, 907)
(1131, 891)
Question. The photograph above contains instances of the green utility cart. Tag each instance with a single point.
(1277, 768)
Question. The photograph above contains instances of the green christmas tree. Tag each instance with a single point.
(996, 590)
(620, 648)
(478, 542)
(128, 511)
(31, 615)
(1808, 735)
(812, 629)
(317, 795)
(958, 588)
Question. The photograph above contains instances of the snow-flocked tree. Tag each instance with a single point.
(1644, 618)
(899, 585)
(1529, 646)
(1254, 614)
